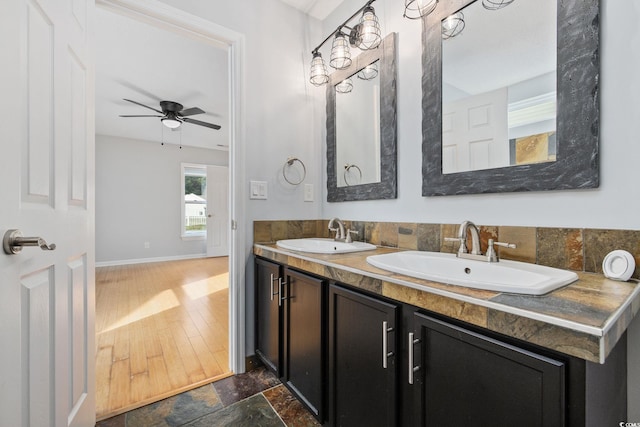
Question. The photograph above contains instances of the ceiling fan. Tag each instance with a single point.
(173, 114)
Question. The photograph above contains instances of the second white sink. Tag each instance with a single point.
(324, 246)
(503, 276)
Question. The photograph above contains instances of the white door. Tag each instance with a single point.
(474, 133)
(46, 189)
(217, 211)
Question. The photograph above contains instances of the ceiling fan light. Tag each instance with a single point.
(171, 122)
(416, 9)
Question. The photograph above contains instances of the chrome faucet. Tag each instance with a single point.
(475, 253)
(340, 233)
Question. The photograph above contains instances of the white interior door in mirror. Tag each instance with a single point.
(474, 133)
(511, 51)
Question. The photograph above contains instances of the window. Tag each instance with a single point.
(194, 200)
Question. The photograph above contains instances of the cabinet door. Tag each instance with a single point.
(362, 359)
(268, 313)
(469, 379)
(303, 339)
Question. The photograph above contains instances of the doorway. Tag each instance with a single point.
(163, 16)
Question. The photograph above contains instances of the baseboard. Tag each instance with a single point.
(146, 260)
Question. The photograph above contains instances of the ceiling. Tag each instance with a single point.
(319, 9)
(146, 64)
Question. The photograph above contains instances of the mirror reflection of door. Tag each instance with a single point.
(499, 87)
(358, 133)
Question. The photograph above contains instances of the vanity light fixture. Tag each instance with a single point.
(340, 53)
(368, 31)
(369, 72)
(452, 25)
(319, 74)
(416, 9)
(365, 36)
(496, 4)
(344, 86)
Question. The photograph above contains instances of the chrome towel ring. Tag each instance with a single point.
(347, 168)
(288, 164)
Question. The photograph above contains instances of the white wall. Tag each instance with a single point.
(138, 198)
(616, 204)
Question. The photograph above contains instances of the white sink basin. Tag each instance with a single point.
(503, 276)
(323, 246)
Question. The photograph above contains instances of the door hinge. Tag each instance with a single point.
(234, 224)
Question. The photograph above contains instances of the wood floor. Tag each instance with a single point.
(162, 328)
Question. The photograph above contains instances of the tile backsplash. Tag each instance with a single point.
(578, 249)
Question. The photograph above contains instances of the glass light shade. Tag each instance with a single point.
(369, 30)
(344, 86)
(452, 25)
(496, 4)
(369, 72)
(171, 122)
(415, 9)
(319, 74)
(340, 53)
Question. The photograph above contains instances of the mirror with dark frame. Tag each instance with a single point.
(361, 128)
(531, 151)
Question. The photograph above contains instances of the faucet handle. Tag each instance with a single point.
(463, 243)
(491, 252)
(504, 245)
(335, 230)
(348, 239)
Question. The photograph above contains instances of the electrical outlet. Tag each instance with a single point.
(308, 192)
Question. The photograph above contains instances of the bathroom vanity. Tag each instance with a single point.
(362, 346)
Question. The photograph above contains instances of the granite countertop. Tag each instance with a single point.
(584, 319)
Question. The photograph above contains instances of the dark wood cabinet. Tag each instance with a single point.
(362, 359)
(269, 283)
(291, 330)
(465, 378)
(304, 342)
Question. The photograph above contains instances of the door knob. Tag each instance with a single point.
(13, 242)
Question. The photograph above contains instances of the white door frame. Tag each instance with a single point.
(167, 17)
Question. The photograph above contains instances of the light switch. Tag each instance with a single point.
(308, 192)
(258, 190)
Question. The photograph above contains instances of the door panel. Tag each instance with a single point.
(356, 361)
(465, 377)
(47, 155)
(217, 211)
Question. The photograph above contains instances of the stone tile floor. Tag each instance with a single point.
(254, 399)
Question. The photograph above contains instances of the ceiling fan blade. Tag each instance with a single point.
(127, 115)
(191, 111)
(142, 105)
(198, 122)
